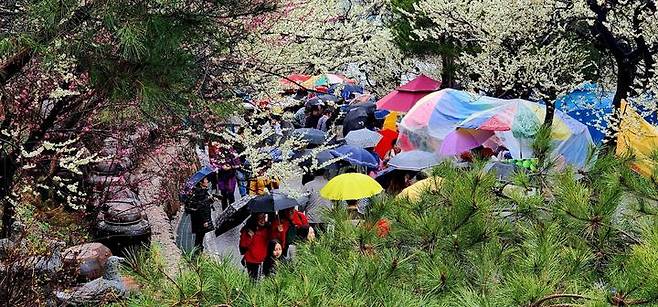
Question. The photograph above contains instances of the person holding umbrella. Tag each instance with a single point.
(199, 208)
(288, 222)
(316, 203)
(253, 243)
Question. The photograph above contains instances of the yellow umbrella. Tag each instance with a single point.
(414, 191)
(350, 186)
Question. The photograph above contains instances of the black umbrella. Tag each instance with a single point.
(354, 120)
(321, 100)
(313, 136)
(232, 216)
(271, 203)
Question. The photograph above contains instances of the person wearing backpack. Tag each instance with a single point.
(254, 238)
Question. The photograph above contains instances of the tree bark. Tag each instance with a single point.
(447, 71)
(625, 78)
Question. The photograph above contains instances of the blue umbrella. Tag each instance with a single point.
(313, 136)
(589, 104)
(198, 176)
(356, 156)
(347, 89)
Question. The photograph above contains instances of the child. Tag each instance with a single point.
(274, 252)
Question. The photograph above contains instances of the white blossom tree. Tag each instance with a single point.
(542, 48)
(316, 36)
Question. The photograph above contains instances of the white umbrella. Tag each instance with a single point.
(415, 160)
(363, 138)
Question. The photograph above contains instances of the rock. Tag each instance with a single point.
(90, 259)
(108, 288)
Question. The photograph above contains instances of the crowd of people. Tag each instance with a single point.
(265, 238)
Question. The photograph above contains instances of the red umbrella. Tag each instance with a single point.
(406, 96)
(386, 143)
(294, 79)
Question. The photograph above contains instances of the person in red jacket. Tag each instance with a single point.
(285, 226)
(253, 243)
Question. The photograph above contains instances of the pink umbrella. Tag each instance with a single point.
(462, 140)
(406, 96)
(421, 83)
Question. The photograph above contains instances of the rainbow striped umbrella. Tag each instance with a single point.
(523, 118)
(326, 80)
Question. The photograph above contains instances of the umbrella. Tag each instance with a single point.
(232, 216)
(326, 80)
(414, 160)
(591, 104)
(406, 96)
(199, 175)
(414, 191)
(386, 143)
(346, 90)
(503, 171)
(271, 202)
(313, 136)
(350, 186)
(356, 156)
(462, 140)
(438, 114)
(363, 138)
(355, 119)
(321, 100)
(294, 80)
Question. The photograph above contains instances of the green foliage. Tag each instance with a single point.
(461, 246)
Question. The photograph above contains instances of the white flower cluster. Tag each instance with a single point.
(322, 36)
(275, 153)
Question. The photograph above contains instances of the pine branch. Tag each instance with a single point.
(558, 296)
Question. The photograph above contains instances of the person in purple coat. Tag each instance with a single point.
(227, 161)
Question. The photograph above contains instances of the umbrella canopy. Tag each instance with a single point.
(357, 118)
(363, 138)
(326, 80)
(356, 156)
(199, 175)
(517, 121)
(462, 140)
(232, 216)
(437, 115)
(350, 186)
(400, 101)
(503, 171)
(313, 136)
(294, 80)
(414, 160)
(406, 96)
(323, 99)
(591, 104)
(346, 90)
(386, 143)
(271, 202)
(414, 191)
(422, 83)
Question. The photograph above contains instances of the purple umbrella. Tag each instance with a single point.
(462, 140)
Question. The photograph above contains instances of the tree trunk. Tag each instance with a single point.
(550, 113)
(550, 108)
(625, 78)
(447, 71)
